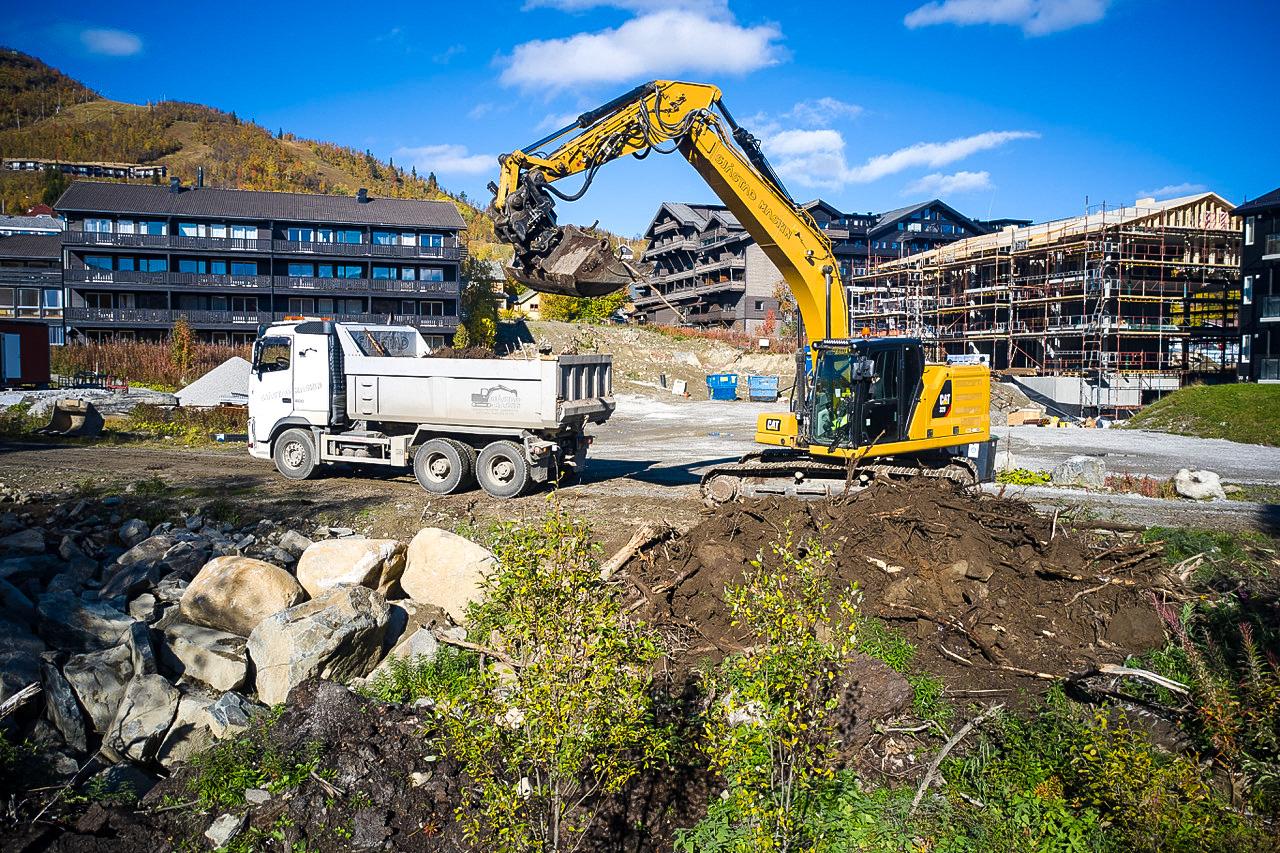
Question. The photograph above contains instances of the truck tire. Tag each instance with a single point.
(295, 454)
(502, 470)
(442, 466)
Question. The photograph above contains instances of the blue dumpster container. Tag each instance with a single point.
(722, 386)
(762, 389)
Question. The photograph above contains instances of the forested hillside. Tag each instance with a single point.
(44, 113)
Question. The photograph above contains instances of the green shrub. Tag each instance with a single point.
(1023, 477)
(226, 769)
(190, 426)
(451, 674)
(17, 420)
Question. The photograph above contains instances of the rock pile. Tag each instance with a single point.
(151, 641)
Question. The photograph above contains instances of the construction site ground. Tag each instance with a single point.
(645, 464)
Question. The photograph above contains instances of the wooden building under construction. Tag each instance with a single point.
(1099, 312)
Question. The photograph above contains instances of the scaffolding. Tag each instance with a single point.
(1144, 295)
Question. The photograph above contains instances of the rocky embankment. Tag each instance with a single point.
(149, 641)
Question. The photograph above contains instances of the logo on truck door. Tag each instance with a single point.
(496, 397)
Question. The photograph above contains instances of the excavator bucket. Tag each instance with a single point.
(73, 417)
(581, 264)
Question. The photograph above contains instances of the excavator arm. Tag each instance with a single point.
(663, 117)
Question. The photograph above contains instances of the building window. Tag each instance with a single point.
(349, 271)
(57, 336)
(244, 232)
(431, 241)
(433, 309)
(28, 302)
(6, 301)
(1246, 292)
(103, 226)
(218, 267)
(324, 235)
(192, 265)
(408, 273)
(1246, 345)
(126, 263)
(53, 299)
(154, 227)
(153, 264)
(324, 270)
(193, 229)
(302, 270)
(1248, 230)
(385, 238)
(301, 235)
(126, 226)
(431, 274)
(244, 267)
(381, 272)
(97, 262)
(244, 304)
(218, 229)
(348, 237)
(302, 305)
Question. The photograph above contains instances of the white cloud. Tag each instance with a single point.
(707, 6)
(446, 160)
(110, 42)
(821, 112)
(480, 110)
(1035, 17)
(1173, 191)
(816, 158)
(555, 121)
(444, 56)
(661, 44)
(938, 184)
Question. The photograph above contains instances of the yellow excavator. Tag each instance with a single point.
(861, 407)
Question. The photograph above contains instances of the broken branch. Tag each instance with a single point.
(476, 647)
(946, 748)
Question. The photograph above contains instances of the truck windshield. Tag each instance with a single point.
(833, 397)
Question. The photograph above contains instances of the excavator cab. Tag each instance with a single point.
(865, 391)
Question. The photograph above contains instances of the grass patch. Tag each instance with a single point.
(1224, 554)
(1023, 477)
(226, 769)
(17, 421)
(1244, 412)
(450, 674)
(879, 641)
(189, 426)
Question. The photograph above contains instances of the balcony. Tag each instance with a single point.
(730, 263)
(365, 285)
(134, 280)
(30, 277)
(77, 237)
(164, 318)
(1272, 248)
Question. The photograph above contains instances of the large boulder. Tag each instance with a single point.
(421, 644)
(19, 658)
(146, 711)
(445, 569)
(234, 594)
(191, 731)
(68, 621)
(29, 541)
(142, 566)
(337, 636)
(1199, 485)
(60, 707)
(214, 657)
(1089, 472)
(98, 680)
(375, 563)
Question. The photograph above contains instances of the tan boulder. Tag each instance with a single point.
(445, 569)
(375, 563)
(234, 594)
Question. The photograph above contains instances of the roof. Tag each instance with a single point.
(1057, 228)
(891, 216)
(45, 223)
(147, 199)
(1262, 202)
(688, 214)
(44, 246)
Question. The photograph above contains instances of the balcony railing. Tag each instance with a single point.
(366, 285)
(29, 277)
(167, 280)
(78, 237)
(205, 319)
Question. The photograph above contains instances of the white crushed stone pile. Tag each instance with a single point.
(226, 383)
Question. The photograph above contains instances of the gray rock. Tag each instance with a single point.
(256, 796)
(194, 522)
(16, 569)
(29, 541)
(190, 732)
(150, 551)
(14, 605)
(61, 709)
(20, 661)
(170, 588)
(144, 608)
(1089, 472)
(231, 714)
(1199, 485)
(445, 569)
(142, 656)
(134, 531)
(73, 623)
(146, 711)
(123, 778)
(422, 643)
(375, 563)
(337, 636)
(225, 828)
(185, 558)
(98, 680)
(294, 542)
(69, 550)
(208, 655)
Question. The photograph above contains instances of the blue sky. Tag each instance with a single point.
(1019, 108)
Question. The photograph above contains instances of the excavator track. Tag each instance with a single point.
(796, 475)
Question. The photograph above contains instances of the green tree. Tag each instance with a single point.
(479, 297)
(568, 717)
(572, 309)
(54, 184)
(181, 347)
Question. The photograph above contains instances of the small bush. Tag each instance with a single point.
(190, 426)
(450, 675)
(17, 420)
(1023, 477)
(1137, 484)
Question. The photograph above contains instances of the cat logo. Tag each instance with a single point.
(943, 407)
(773, 424)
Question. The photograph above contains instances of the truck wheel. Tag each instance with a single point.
(294, 454)
(441, 466)
(501, 469)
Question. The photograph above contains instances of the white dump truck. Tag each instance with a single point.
(322, 392)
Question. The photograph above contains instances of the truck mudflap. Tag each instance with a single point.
(557, 459)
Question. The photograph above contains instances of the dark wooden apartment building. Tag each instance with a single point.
(709, 272)
(1260, 289)
(137, 257)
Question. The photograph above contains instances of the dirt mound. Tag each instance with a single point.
(987, 589)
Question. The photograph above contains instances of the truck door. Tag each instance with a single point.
(881, 410)
(311, 376)
(270, 385)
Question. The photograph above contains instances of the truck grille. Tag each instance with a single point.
(585, 377)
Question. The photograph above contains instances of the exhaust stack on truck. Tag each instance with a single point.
(322, 393)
